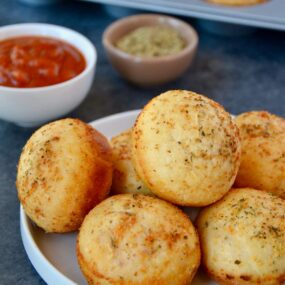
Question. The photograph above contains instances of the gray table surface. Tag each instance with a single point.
(242, 73)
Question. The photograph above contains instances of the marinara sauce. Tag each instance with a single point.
(35, 61)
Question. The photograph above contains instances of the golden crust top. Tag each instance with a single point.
(125, 178)
(263, 152)
(137, 239)
(237, 2)
(186, 148)
(242, 238)
(64, 170)
(260, 124)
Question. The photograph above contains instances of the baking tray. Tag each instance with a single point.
(269, 15)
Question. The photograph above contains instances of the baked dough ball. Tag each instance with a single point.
(186, 148)
(237, 2)
(263, 152)
(125, 178)
(64, 170)
(242, 238)
(133, 239)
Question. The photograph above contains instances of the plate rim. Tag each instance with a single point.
(45, 269)
(41, 264)
(114, 116)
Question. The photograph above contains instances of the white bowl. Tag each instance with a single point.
(33, 106)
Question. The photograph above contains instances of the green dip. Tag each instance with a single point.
(152, 41)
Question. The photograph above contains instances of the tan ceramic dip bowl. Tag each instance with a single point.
(149, 71)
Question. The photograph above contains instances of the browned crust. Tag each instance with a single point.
(262, 140)
(145, 176)
(229, 279)
(236, 3)
(99, 176)
(89, 268)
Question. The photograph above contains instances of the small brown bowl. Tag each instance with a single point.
(148, 71)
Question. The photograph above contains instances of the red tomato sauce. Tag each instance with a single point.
(35, 61)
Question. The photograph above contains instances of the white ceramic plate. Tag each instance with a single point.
(53, 255)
